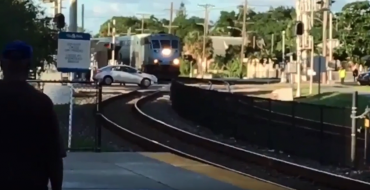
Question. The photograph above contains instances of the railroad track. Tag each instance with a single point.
(154, 135)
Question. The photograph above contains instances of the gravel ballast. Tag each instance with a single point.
(161, 109)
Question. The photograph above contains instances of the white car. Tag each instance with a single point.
(124, 74)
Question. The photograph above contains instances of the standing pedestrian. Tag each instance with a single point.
(354, 73)
(342, 75)
(31, 146)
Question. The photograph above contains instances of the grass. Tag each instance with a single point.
(333, 107)
(83, 125)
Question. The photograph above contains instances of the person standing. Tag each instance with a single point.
(342, 75)
(354, 72)
(32, 151)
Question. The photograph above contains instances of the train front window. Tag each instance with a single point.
(175, 44)
(166, 43)
(155, 44)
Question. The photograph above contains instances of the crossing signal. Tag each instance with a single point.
(59, 20)
(108, 45)
(299, 28)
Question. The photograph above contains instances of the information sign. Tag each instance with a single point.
(73, 52)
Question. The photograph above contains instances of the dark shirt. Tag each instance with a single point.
(29, 136)
(355, 73)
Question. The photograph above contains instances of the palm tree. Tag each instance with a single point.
(193, 46)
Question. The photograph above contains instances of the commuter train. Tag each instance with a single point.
(156, 54)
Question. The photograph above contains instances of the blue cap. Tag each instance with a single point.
(17, 50)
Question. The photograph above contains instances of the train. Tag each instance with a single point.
(158, 54)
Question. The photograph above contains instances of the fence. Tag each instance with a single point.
(299, 129)
(75, 103)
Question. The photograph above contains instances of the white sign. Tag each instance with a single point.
(73, 52)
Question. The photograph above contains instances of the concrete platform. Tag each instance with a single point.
(150, 171)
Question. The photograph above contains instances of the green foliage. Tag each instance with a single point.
(264, 32)
(186, 67)
(23, 20)
(234, 69)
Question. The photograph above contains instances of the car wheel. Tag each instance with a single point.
(108, 80)
(145, 83)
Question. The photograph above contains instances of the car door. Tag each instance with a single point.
(132, 74)
(116, 74)
(126, 75)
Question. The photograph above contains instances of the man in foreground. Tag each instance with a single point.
(31, 147)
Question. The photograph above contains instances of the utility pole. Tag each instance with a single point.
(245, 9)
(205, 31)
(171, 19)
(82, 17)
(143, 17)
(272, 43)
(283, 45)
(59, 6)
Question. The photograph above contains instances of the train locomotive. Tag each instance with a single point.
(156, 54)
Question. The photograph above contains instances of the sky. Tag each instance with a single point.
(98, 11)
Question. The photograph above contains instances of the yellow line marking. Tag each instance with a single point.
(226, 176)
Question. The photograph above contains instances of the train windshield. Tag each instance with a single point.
(175, 44)
(166, 43)
(156, 44)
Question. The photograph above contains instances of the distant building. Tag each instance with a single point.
(221, 43)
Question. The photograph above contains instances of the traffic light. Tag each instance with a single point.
(299, 28)
(59, 20)
(108, 45)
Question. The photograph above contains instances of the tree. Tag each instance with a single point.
(354, 24)
(193, 46)
(23, 20)
(124, 24)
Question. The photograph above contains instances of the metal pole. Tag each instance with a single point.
(354, 127)
(325, 32)
(243, 33)
(72, 22)
(205, 30)
(73, 16)
(113, 40)
(299, 60)
(204, 39)
(330, 42)
(311, 76)
(171, 18)
(142, 25)
(312, 45)
(283, 45)
(272, 43)
(82, 18)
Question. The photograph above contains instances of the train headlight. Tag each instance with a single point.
(176, 61)
(166, 51)
(155, 61)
